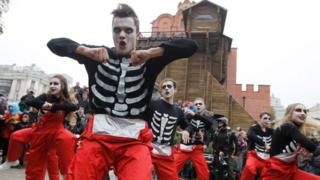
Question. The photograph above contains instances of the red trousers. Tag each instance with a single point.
(165, 167)
(16, 145)
(197, 158)
(276, 169)
(253, 164)
(96, 154)
(49, 135)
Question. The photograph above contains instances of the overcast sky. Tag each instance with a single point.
(277, 40)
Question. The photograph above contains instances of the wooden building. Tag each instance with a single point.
(205, 73)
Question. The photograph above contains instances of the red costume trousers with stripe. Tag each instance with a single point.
(165, 167)
(253, 164)
(96, 154)
(16, 145)
(49, 135)
(197, 158)
(276, 169)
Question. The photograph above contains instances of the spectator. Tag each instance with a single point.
(28, 97)
(72, 125)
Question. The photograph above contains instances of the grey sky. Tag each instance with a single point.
(277, 41)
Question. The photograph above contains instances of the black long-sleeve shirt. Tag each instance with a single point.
(286, 139)
(57, 105)
(164, 119)
(224, 140)
(199, 125)
(258, 139)
(117, 87)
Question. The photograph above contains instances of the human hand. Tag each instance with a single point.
(139, 56)
(267, 147)
(221, 153)
(185, 137)
(99, 54)
(46, 106)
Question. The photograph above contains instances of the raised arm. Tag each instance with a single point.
(166, 52)
(38, 101)
(68, 48)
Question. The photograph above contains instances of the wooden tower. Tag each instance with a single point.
(203, 74)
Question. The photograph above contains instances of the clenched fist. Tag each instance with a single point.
(99, 54)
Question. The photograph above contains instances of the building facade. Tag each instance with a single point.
(277, 107)
(15, 81)
(4, 7)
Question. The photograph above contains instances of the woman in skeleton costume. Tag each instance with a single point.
(259, 141)
(49, 134)
(164, 118)
(287, 140)
(121, 81)
(200, 122)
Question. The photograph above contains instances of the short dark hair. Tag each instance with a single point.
(123, 11)
(263, 113)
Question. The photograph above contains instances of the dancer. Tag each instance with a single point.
(259, 141)
(49, 135)
(287, 140)
(164, 118)
(200, 121)
(121, 81)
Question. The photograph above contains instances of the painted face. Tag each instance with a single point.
(265, 120)
(55, 86)
(167, 90)
(299, 114)
(199, 104)
(124, 35)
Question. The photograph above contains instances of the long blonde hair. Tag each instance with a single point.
(309, 125)
(288, 117)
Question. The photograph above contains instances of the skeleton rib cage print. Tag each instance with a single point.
(162, 126)
(120, 88)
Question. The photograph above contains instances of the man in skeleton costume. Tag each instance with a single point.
(121, 81)
(287, 141)
(259, 141)
(165, 116)
(200, 122)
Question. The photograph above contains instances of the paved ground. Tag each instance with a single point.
(12, 174)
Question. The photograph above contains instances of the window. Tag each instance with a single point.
(203, 17)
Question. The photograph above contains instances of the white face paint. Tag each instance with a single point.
(167, 90)
(199, 104)
(265, 120)
(124, 35)
(299, 114)
(55, 86)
